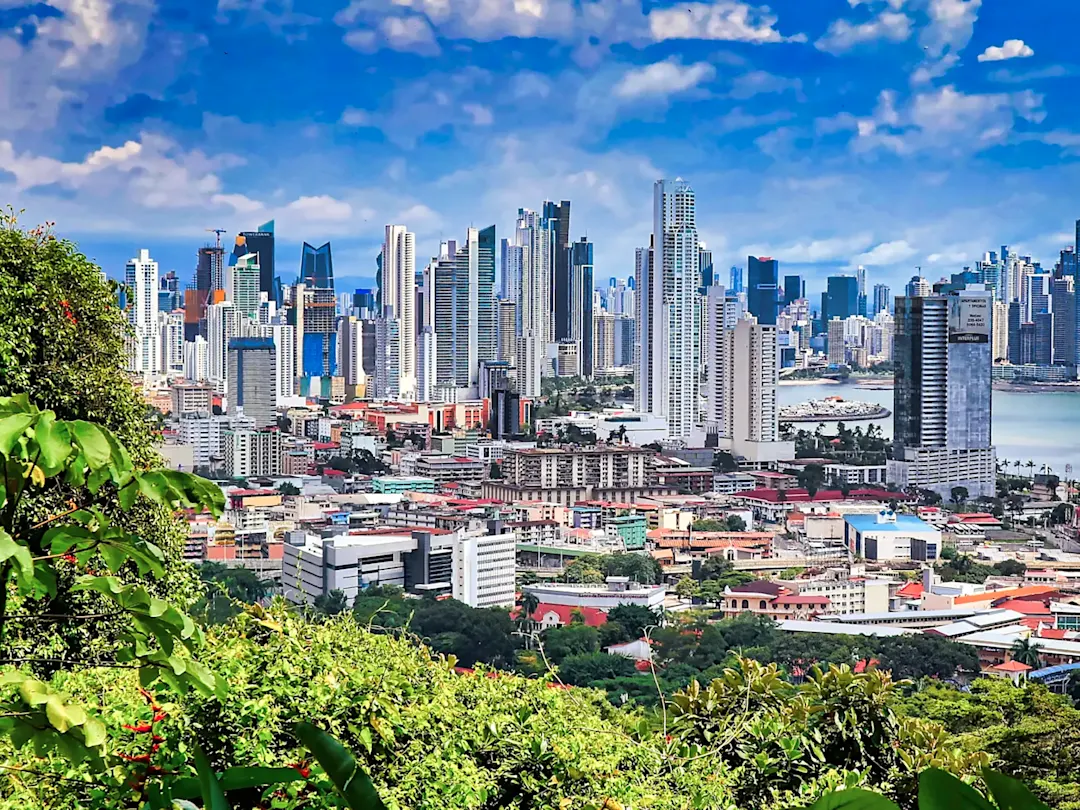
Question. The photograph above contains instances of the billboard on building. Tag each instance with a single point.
(969, 319)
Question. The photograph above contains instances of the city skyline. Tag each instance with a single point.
(951, 149)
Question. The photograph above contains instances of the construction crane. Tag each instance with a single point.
(217, 232)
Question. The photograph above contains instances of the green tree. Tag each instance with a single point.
(640, 568)
(62, 344)
(495, 472)
(708, 525)
(734, 523)
(585, 669)
(332, 603)
(588, 569)
(724, 462)
(1010, 568)
(1026, 651)
(226, 590)
(811, 478)
(287, 488)
(959, 495)
(635, 618)
(474, 635)
(570, 639)
(686, 587)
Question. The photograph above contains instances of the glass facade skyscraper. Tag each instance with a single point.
(559, 217)
(581, 303)
(317, 267)
(794, 289)
(260, 242)
(841, 299)
(762, 294)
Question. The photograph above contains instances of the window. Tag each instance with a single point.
(762, 605)
(745, 604)
(734, 603)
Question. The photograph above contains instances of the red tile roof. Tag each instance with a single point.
(1029, 607)
(1055, 633)
(594, 617)
(1011, 666)
(911, 590)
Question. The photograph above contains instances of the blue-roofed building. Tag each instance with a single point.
(887, 535)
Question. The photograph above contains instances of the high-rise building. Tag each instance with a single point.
(672, 358)
(141, 278)
(284, 337)
(196, 359)
(252, 379)
(741, 409)
(250, 453)
(860, 275)
(507, 330)
(794, 289)
(705, 266)
(917, 287)
(317, 267)
(562, 285)
(242, 286)
(762, 292)
(735, 281)
(397, 296)
(882, 300)
(834, 342)
(942, 399)
(644, 270)
(484, 567)
(1000, 324)
(1063, 305)
(464, 312)
(841, 298)
(581, 302)
(261, 243)
(364, 304)
(171, 341)
(535, 234)
(510, 258)
(1036, 295)
(1044, 338)
(625, 341)
(603, 340)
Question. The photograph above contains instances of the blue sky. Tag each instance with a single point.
(827, 133)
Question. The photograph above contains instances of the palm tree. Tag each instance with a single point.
(528, 604)
(1031, 469)
(1026, 651)
(1018, 464)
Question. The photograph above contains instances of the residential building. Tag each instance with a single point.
(846, 593)
(773, 600)
(260, 243)
(535, 235)
(670, 352)
(918, 287)
(568, 475)
(562, 270)
(141, 278)
(485, 567)
(190, 398)
(242, 286)
(942, 399)
(442, 468)
(252, 453)
(397, 484)
(206, 434)
(882, 299)
(397, 293)
(581, 302)
(252, 380)
(762, 289)
(507, 330)
(999, 344)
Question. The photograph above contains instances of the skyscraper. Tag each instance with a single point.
(141, 278)
(741, 410)
(917, 287)
(242, 285)
(735, 281)
(261, 243)
(464, 312)
(507, 330)
(841, 298)
(762, 292)
(1063, 304)
(559, 217)
(673, 327)
(581, 302)
(860, 274)
(705, 265)
(882, 301)
(535, 235)
(644, 270)
(942, 399)
(317, 267)
(252, 379)
(794, 289)
(397, 293)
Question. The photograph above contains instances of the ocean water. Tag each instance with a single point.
(1041, 426)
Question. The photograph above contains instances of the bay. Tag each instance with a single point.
(1040, 426)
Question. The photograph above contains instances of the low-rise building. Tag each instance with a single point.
(891, 536)
(396, 484)
(613, 592)
(770, 599)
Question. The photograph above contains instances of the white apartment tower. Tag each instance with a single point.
(398, 287)
(141, 277)
(669, 346)
(532, 291)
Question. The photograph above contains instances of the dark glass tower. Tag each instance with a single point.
(560, 216)
(261, 242)
(794, 289)
(581, 260)
(705, 266)
(762, 289)
(841, 298)
(317, 267)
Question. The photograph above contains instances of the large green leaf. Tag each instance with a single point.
(238, 779)
(11, 428)
(213, 795)
(341, 767)
(1009, 793)
(19, 554)
(853, 799)
(53, 441)
(940, 790)
(93, 443)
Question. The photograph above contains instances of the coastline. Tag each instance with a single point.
(816, 381)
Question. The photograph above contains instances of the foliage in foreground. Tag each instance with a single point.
(431, 736)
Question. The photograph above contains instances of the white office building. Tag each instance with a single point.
(398, 283)
(669, 310)
(485, 568)
(196, 359)
(252, 452)
(171, 342)
(141, 277)
(242, 286)
(533, 294)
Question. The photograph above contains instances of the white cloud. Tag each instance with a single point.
(886, 253)
(945, 36)
(412, 33)
(727, 20)
(844, 35)
(945, 121)
(663, 79)
(319, 209)
(353, 117)
(1011, 49)
(756, 82)
(738, 119)
(481, 115)
(829, 249)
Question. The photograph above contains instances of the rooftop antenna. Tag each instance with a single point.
(217, 232)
